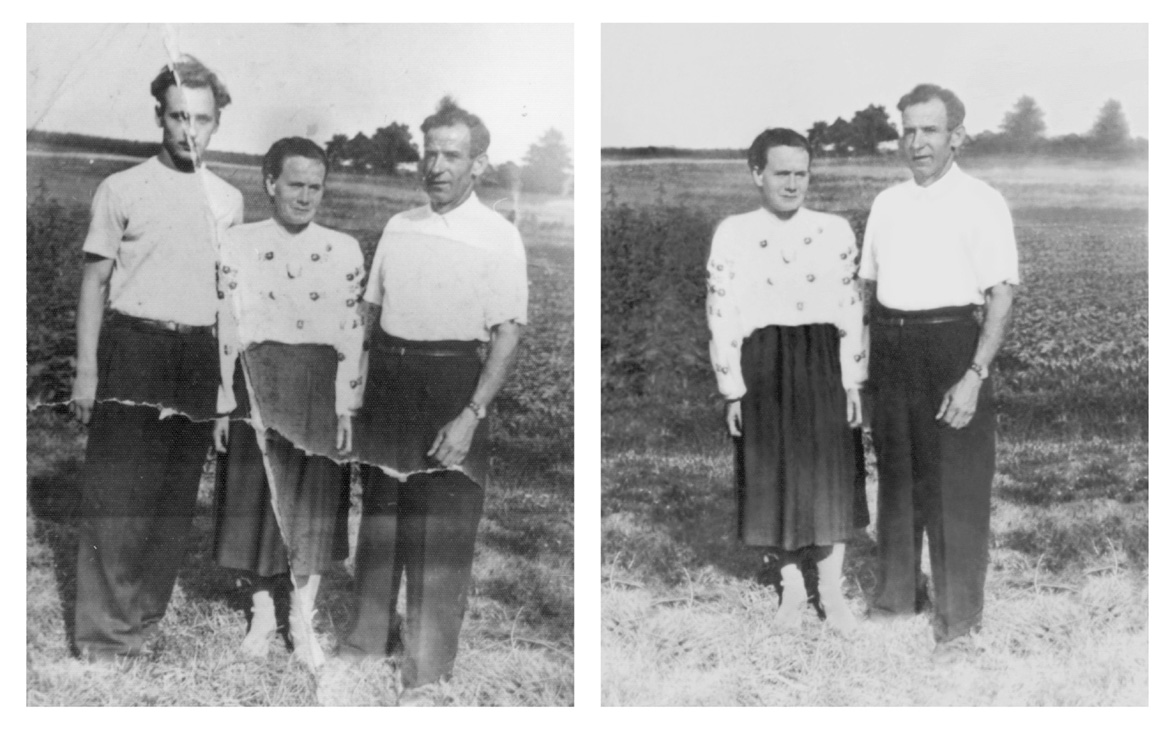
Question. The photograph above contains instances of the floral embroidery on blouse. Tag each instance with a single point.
(764, 271)
(301, 288)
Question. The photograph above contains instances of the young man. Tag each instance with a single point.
(939, 250)
(147, 368)
(447, 278)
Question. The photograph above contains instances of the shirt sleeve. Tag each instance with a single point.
(107, 223)
(868, 249)
(374, 292)
(228, 340)
(723, 315)
(850, 317)
(507, 294)
(994, 252)
(349, 379)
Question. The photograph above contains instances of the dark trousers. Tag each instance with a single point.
(932, 478)
(422, 530)
(139, 490)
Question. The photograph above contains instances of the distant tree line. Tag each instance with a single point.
(73, 142)
(1021, 133)
(546, 167)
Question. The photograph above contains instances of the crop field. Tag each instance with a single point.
(517, 643)
(1066, 619)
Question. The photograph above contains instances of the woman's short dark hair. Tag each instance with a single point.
(449, 113)
(922, 93)
(194, 75)
(775, 137)
(290, 147)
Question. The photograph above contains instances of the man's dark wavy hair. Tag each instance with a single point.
(449, 113)
(290, 147)
(775, 137)
(194, 75)
(922, 93)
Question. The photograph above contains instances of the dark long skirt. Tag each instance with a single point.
(314, 491)
(800, 480)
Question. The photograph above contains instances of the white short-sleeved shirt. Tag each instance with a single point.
(765, 271)
(939, 246)
(448, 276)
(161, 227)
(295, 288)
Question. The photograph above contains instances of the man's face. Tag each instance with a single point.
(188, 118)
(448, 170)
(297, 192)
(927, 142)
(783, 181)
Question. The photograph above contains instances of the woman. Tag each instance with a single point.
(788, 348)
(292, 287)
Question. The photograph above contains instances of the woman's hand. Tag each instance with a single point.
(220, 434)
(734, 417)
(345, 440)
(855, 410)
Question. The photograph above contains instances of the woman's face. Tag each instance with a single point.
(297, 192)
(783, 181)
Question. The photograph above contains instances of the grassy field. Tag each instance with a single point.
(517, 644)
(1066, 619)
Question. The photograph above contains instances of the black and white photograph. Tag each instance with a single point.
(875, 365)
(300, 369)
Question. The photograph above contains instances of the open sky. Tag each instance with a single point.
(720, 85)
(314, 81)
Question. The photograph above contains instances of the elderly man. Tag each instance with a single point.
(447, 278)
(147, 370)
(941, 252)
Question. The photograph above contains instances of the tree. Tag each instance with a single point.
(840, 135)
(869, 128)
(336, 149)
(1110, 133)
(547, 164)
(1023, 127)
(818, 135)
(392, 145)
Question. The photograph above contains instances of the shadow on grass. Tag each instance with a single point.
(53, 499)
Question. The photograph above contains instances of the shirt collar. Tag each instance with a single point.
(940, 187)
(459, 213)
(800, 215)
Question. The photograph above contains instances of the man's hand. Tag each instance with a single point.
(345, 440)
(960, 402)
(734, 417)
(91, 306)
(855, 410)
(453, 441)
(220, 434)
(85, 386)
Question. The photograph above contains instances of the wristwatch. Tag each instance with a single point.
(478, 410)
(982, 371)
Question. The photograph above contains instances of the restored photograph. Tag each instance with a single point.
(300, 368)
(875, 365)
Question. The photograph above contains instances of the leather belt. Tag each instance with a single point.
(940, 320)
(166, 325)
(394, 346)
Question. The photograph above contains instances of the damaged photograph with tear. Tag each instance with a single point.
(299, 365)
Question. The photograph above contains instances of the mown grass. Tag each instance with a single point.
(517, 643)
(1066, 619)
